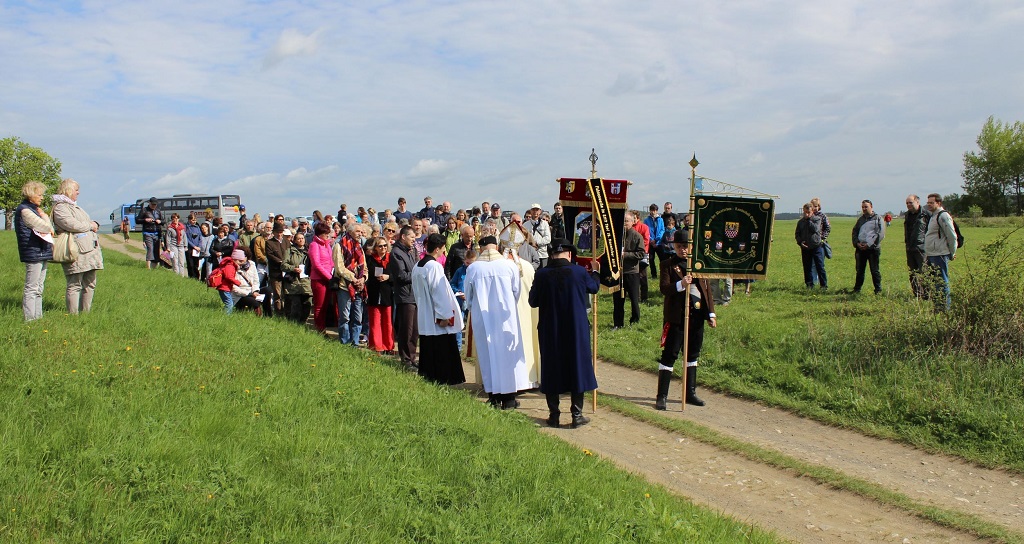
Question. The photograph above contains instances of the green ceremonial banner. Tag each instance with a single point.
(732, 236)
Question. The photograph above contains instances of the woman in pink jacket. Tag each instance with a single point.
(321, 263)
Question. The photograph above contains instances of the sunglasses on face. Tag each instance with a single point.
(385, 246)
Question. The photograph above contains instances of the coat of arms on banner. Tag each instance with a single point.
(616, 188)
(570, 186)
(731, 229)
(707, 235)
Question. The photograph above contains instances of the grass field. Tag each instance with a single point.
(158, 418)
(887, 365)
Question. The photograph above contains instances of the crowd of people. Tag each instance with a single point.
(406, 284)
(930, 236)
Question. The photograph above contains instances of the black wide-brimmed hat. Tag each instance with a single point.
(560, 245)
(682, 236)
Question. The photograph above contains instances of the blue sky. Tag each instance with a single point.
(302, 105)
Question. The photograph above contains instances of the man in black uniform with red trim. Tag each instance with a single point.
(675, 283)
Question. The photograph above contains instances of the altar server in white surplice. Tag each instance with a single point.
(493, 286)
(528, 321)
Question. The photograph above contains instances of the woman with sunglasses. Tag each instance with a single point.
(379, 334)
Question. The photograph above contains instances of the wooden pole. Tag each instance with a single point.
(689, 266)
(593, 350)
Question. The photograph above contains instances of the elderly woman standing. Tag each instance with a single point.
(31, 222)
(81, 274)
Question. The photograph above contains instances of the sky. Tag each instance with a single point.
(299, 105)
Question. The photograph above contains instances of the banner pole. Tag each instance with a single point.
(689, 265)
(593, 350)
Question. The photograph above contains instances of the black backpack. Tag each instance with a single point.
(956, 229)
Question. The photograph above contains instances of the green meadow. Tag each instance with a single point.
(157, 418)
(886, 365)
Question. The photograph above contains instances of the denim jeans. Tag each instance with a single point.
(228, 299)
(32, 300)
(938, 270)
(350, 317)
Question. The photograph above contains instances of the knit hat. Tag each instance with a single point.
(238, 255)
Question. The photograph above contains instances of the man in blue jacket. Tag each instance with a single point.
(561, 293)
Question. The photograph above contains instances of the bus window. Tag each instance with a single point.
(230, 200)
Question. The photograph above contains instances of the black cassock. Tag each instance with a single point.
(561, 292)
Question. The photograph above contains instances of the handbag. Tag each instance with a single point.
(65, 249)
(334, 284)
(828, 250)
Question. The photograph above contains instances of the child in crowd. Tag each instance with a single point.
(458, 286)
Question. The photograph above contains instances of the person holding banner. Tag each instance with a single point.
(633, 252)
(677, 285)
(561, 291)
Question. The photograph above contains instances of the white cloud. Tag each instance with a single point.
(185, 181)
(291, 43)
(431, 168)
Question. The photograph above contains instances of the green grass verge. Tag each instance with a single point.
(833, 478)
(158, 418)
(877, 364)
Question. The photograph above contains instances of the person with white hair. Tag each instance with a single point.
(350, 266)
(32, 226)
(69, 217)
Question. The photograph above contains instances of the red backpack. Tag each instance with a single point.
(216, 278)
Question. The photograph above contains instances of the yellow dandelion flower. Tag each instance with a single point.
(313, 365)
(119, 363)
(647, 495)
(202, 387)
(44, 330)
(257, 388)
(255, 414)
(127, 348)
(587, 452)
(101, 366)
(73, 371)
(247, 391)
(156, 368)
(210, 496)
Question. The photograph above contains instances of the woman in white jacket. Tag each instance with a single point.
(438, 317)
(81, 274)
(248, 277)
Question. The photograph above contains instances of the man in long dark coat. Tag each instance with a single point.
(560, 292)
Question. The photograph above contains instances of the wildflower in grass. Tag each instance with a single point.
(119, 363)
(156, 368)
(587, 452)
(209, 497)
(202, 388)
(44, 330)
(647, 495)
(127, 348)
(74, 371)
(255, 414)
(313, 365)
(257, 388)
(247, 391)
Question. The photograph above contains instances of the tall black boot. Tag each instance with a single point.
(553, 412)
(691, 387)
(664, 380)
(577, 411)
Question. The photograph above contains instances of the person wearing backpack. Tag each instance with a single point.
(940, 243)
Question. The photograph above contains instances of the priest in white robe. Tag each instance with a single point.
(493, 287)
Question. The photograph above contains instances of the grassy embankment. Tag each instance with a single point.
(886, 365)
(158, 418)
